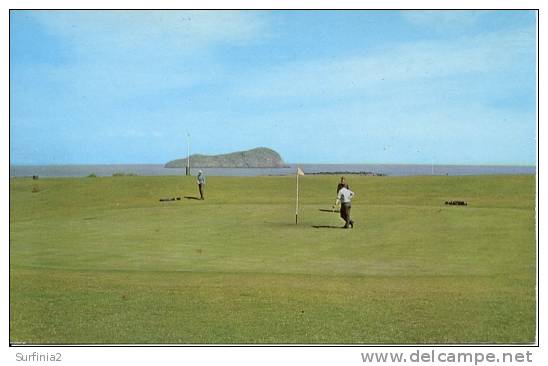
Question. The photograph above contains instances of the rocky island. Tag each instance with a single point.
(260, 157)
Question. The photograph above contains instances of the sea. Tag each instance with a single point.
(51, 171)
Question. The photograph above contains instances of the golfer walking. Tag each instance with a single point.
(344, 196)
(342, 184)
(200, 179)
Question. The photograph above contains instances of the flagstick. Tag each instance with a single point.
(297, 202)
(187, 154)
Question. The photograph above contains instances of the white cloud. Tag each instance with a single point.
(443, 19)
(419, 61)
(121, 54)
(122, 30)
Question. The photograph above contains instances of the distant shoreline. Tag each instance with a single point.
(84, 170)
(286, 165)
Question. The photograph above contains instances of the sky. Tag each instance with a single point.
(397, 87)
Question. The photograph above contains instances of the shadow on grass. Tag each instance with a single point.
(192, 198)
(332, 211)
(288, 224)
(326, 227)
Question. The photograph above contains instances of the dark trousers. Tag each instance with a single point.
(201, 188)
(345, 214)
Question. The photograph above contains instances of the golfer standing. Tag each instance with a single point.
(344, 196)
(200, 179)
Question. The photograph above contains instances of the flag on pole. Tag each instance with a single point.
(299, 172)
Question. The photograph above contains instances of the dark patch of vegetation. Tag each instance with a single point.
(119, 174)
(369, 174)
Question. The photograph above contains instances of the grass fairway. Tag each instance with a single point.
(101, 260)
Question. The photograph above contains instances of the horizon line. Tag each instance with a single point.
(292, 164)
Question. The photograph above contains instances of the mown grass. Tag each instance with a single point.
(103, 261)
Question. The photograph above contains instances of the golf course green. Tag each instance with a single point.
(102, 260)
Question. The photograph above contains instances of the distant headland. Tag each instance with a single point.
(260, 157)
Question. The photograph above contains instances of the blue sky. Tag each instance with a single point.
(445, 87)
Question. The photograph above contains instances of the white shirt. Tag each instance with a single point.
(345, 195)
